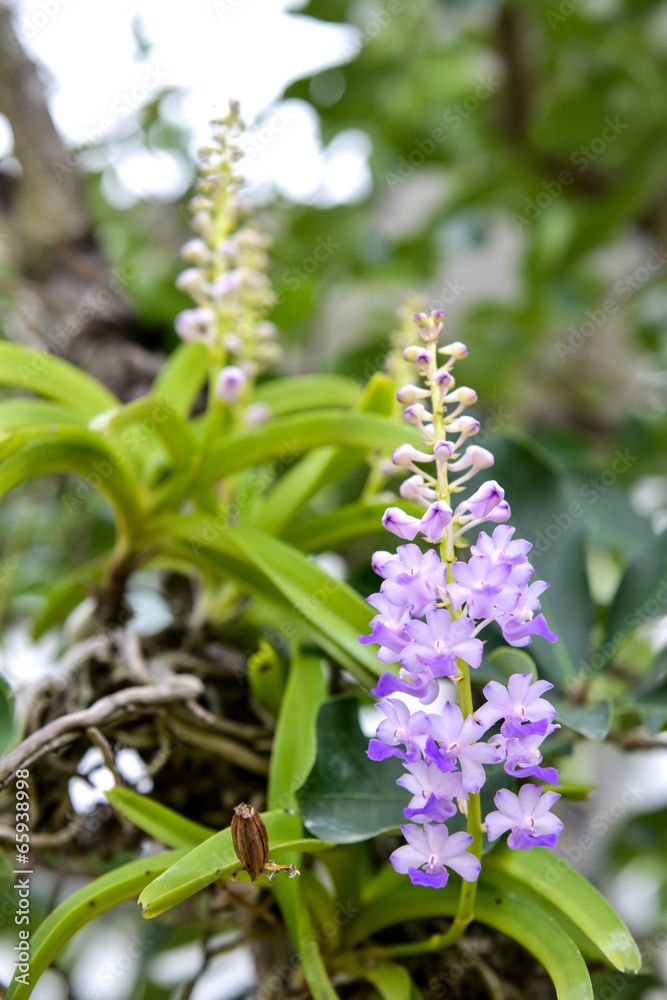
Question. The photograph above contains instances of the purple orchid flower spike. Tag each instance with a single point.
(455, 739)
(413, 579)
(401, 727)
(438, 642)
(433, 792)
(527, 816)
(430, 851)
(521, 701)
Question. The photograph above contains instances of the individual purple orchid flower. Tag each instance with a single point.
(517, 703)
(413, 579)
(430, 851)
(527, 816)
(433, 792)
(401, 727)
(523, 757)
(423, 686)
(500, 549)
(438, 642)
(521, 623)
(453, 740)
(388, 629)
(483, 587)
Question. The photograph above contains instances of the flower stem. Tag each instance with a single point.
(466, 907)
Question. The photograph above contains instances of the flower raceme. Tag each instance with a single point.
(431, 608)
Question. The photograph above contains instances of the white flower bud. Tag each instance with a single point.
(408, 393)
(456, 350)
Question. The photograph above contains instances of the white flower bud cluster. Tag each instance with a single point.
(228, 262)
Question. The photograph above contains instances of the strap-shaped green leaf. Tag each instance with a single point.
(295, 742)
(17, 413)
(269, 568)
(286, 437)
(215, 859)
(183, 376)
(306, 392)
(391, 980)
(161, 417)
(551, 877)
(507, 912)
(45, 375)
(82, 453)
(83, 906)
(157, 820)
(337, 527)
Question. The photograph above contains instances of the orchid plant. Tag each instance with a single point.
(217, 476)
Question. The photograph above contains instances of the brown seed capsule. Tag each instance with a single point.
(250, 839)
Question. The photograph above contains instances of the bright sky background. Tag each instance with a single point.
(213, 50)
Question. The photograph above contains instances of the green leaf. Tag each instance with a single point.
(215, 859)
(269, 568)
(501, 663)
(391, 980)
(294, 743)
(286, 437)
(290, 896)
(182, 377)
(157, 820)
(83, 453)
(551, 877)
(17, 413)
(507, 912)
(158, 415)
(307, 392)
(46, 375)
(542, 510)
(323, 532)
(83, 906)
(591, 721)
(347, 797)
(641, 596)
(6, 723)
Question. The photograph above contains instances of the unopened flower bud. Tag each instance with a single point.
(474, 457)
(467, 426)
(399, 523)
(380, 559)
(456, 350)
(433, 524)
(195, 324)
(196, 252)
(444, 379)
(408, 393)
(421, 319)
(231, 381)
(464, 394)
(257, 414)
(416, 413)
(410, 353)
(414, 488)
(488, 496)
(500, 513)
(191, 280)
(443, 450)
(405, 454)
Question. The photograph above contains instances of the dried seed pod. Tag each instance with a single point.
(250, 839)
